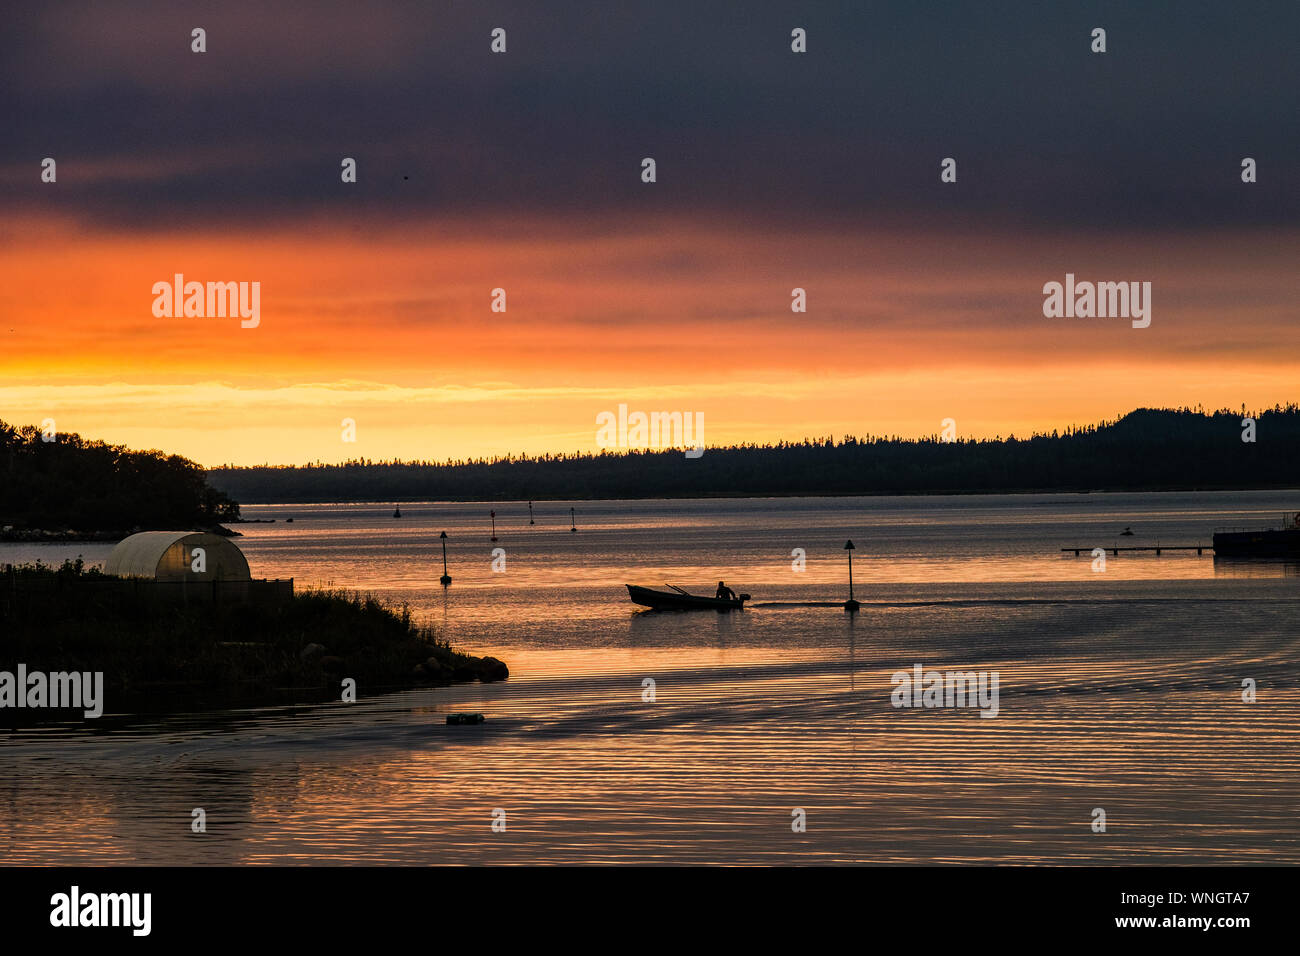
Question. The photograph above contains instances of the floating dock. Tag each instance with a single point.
(1157, 548)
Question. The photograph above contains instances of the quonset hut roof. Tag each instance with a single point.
(172, 556)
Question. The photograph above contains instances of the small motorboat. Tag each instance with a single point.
(679, 600)
(1126, 533)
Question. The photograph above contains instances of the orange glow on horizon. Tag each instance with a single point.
(394, 329)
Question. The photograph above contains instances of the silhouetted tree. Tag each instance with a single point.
(71, 483)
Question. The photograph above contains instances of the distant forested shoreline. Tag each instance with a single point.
(1145, 450)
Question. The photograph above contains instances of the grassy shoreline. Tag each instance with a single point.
(157, 654)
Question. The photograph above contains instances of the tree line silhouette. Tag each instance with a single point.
(72, 483)
(1145, 450)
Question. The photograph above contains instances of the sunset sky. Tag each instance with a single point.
(523, 171)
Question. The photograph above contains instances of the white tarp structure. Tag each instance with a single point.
(178, 556)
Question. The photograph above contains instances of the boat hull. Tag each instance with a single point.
(669, 601)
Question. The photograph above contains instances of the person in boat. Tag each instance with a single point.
(725, 593)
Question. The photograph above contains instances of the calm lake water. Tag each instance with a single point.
(1119, 689)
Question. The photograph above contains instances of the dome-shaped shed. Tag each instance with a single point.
(178, 556)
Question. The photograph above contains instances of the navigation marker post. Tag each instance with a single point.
(446, 578)
(850, 605)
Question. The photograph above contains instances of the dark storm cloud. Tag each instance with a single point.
(1046, 133)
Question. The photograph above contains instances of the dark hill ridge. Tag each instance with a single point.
(1146, 450)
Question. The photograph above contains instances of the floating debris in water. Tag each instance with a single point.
(464, 718)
